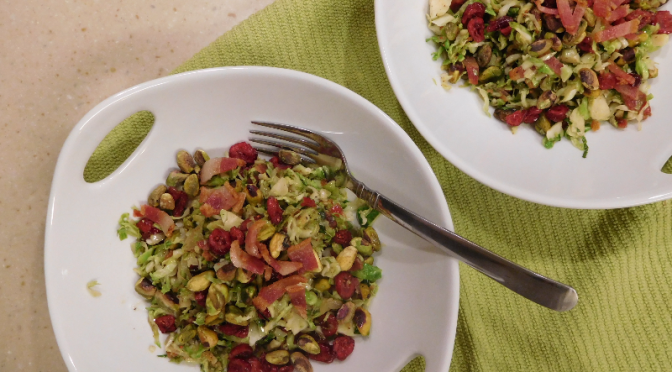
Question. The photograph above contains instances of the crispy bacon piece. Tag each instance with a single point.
(251, 242)
(214, 200)
(554, 64)
(618, 13)
(284, 268)
(472, 69)
(613, 32)
(160, 217)
(634, 98)
(620, 74)
(304, 253)
(217, 166)
(271, 293)
(297, 294)
(664, 19)
(570, 20)
(243, 260)
(602, 8)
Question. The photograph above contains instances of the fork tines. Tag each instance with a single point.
(308, 149)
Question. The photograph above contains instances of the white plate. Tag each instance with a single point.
(622, 168)
(415, 311)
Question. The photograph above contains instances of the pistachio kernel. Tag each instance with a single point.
(185, 161)
(155, 196)
(167, 202)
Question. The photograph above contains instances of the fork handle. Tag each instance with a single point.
(535, 287)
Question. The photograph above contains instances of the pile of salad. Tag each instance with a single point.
(561, 65)
(254, 265)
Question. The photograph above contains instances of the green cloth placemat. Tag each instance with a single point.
(618, 260)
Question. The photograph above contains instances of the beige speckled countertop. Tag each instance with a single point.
(58, 60)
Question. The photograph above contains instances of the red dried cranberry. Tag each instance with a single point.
(638, 79)
(622, 123)
(456, 5)
(326, 355)
(147, 228)
(234, 330)
(607, 80)
(330, 219)
(474, 10)
(342, 237)
(237, 234)
(343, 347)
(586, 45)
(181, 199)
(255, 365)
(242, 351)
(308, 202)
(476, 29)
(645, 18)
(515, 118)
(557, 113)
(274, 210)
(288, 368)
(346, 284)
(329, 325)
(276, 163)
(200, 297)
(664, 19)
(220, 242)
(531, 115)
(243, 151)
(166, 323)
(499, 24)
(265, 314)
(239, 365)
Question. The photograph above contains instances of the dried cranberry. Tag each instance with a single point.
(147, 228)
(276, 163)
(515, 118)
(346, 284)
(200, 297)
(586, 45)
(326, 355)
(308, 202)
(329, 325)
(456, 5)
(342, 237)
(607, 80)
(664, 19)
(638, 79)
(265, 314)
(476, 28)
(645, 18)
(343, 347)
(166, 323)
(181, 199)
(499, 24)
(242, 351)
(622, 123)
(531, 115)
(330, 219)
(243, 151)
(237, 234)
(255, 365)
(239, 365)
(474, 10)
(220, 242)
(234, 330)
(557, 113)
(274, 210)
(288, 368)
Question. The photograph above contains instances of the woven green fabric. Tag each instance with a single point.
(618, 260)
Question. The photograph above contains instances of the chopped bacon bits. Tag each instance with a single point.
(274, 210)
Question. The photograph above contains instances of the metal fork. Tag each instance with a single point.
(535, 287)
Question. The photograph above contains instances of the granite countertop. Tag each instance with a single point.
(59, 59)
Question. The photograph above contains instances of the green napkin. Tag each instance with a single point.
(618, 260)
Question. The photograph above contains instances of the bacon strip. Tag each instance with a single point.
(570, 20)
(618, 13)
(620, 74)
(471, 66)
(304, 253)
(602, 8)
(214, 200)
(617, 31)
(554, 64)
(217, 166)
(243, 260)
(284, 268)
(634, 98)
(297, 294)
(160, 217)
(271, 293)
(251, 242)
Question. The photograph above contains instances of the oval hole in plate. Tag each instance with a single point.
(667, 167)
(415, 365)
(118, 145)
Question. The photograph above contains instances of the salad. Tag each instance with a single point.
(254, 265)
(563, 66)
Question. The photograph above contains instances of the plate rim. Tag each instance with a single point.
(49, 250)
